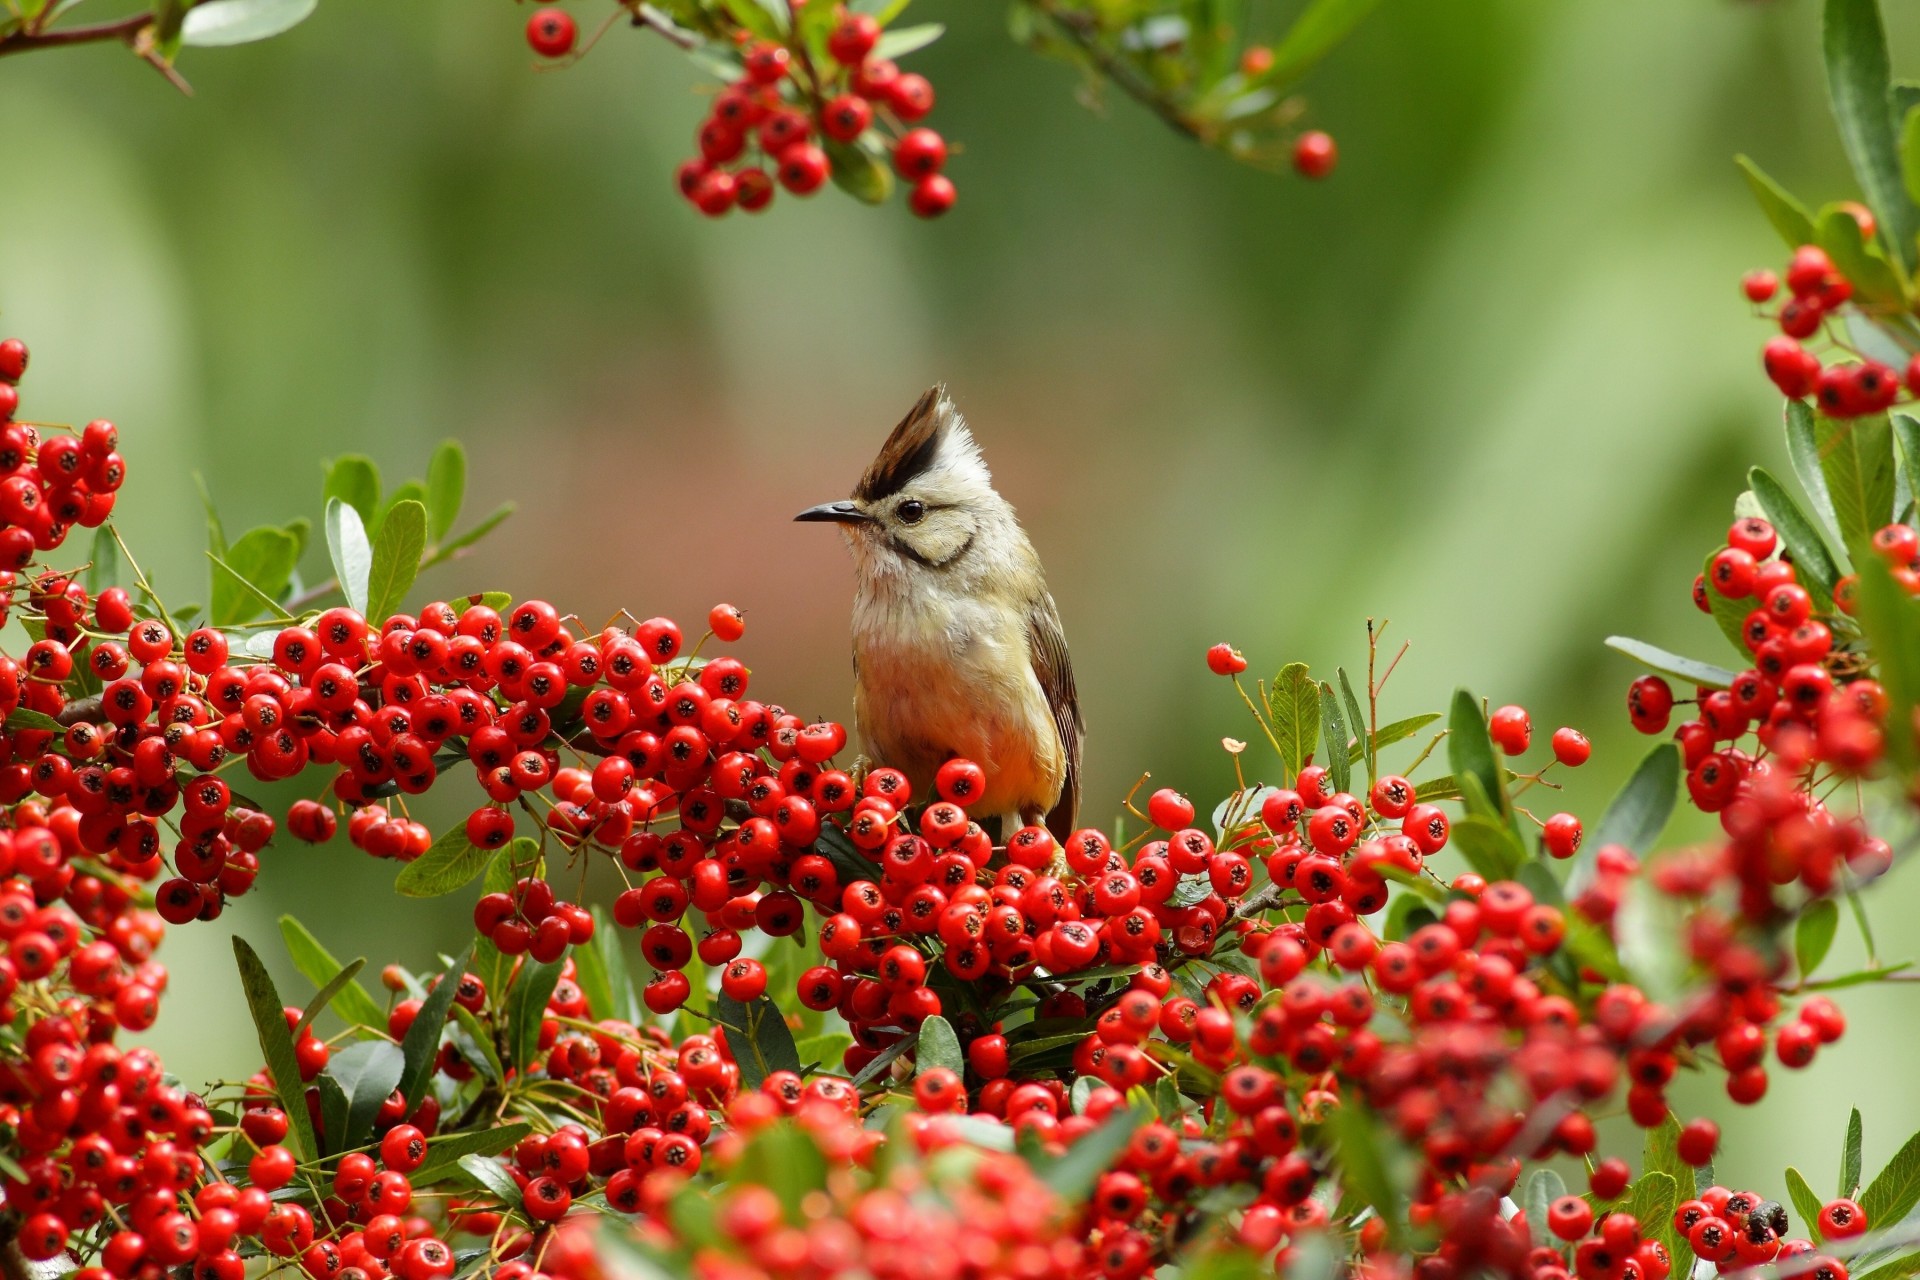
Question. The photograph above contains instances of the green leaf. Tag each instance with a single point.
(590, 972)
(251, 575)
(446, 486)
(1805, 547)
(1729, 615)
(1850, 1157)
(1804, 452)
(1910, 153)
(1890, 619)
(758, 1035)
(1859, 78)
(354, 480)
(1856, 457)
(347, 547)
(1072, 1175)
(217, 23)
(881, 1061)
(1488, 845)
(1690, 670)
(446, 550)
(1899, 1269)
(1662, 1155)
(452, 862)
(1470, 750)
(505, 868)
(828, 1049)
(324, 997)
(938, 1047)
(785, 1159)
(444, 1154)
(1398, 731)
(1655, 1196)
(366, 1072)
(422, 1043)
(492, 1175)
(475, 1043)
(901, 41)
(1339, 767)
(1895, 1190)
(1876, 281)
(317, 965)
(602, 972)
(1364, 742)
(764, 18)
(1906, 438)
(1321, 26)
(1639, 811)
(859, 174)
(1648, 928)
(28, 718)
(276, 1047)
(103, 571)
(1788, 216)
(1805, 1203)
(1543, 1187)
(1363, 1166)
(396, 558)
(1444, 787)
(1813, 934)
(527, 1006)
(1293, 704)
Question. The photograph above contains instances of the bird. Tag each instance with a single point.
(958, 650)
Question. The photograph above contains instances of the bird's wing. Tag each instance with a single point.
(1047, 647)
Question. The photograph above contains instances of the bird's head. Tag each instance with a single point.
(927, 500)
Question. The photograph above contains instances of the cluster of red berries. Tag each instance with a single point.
(49, 485)
(1817, 289)
(775, 126)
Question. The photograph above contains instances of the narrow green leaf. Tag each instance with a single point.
(1850, 1156)
(1813, 934)
(1072, 1175)
(1363, 1166)
(901, 41)
(422, 1043)
(350, 552)
(1910, 152)
(325, 995)
(28, 718)
(527, 1006)
(103, 571)
(1398, 731)
(1470, 750)
(444, 1154)
(1890, 619)
(251, 575)
(276, 1047)
(218, 23)
(1805, 547)
(397, 549)
(758, 1034)
(447, 550)
(1856, 456)
(1804, 452)
(1895, 1190)
(1805, 1203)
(1334, 727)
(1690, 670)
(881, 1061)
(1729, 615)
(1357, 719)
(1876, 281)
(366, 1072)
(475, 1043)
(452, 862)
(1654, 1198)
(317, 965)
(1293, 705)
(590, 972)
(859, 174)
(354, 480)
(1543, 1187)
(1321, 26)
(1906, 438)
(1859, 79)
(1638, 812)
(446, 486)
(492, 1175)
(1488, 845)
(1788, 216)
(938, 1047)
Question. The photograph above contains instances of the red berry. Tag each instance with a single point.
(1511, 729)
(727, 623)
(803, 168)
(551, 33)
(1759, 285)
(1314, 154)
(932, 196)
(1698, 1140)
(1570, 747)
(919, 153)
(1225, 660)
(911, 96)
(846, 117)
(13, 360)
(853, 38)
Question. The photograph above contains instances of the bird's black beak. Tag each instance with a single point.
(835, 513)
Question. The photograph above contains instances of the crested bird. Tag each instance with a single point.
(957, 644)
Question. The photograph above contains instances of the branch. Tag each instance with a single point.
(1083, 31)
(126, 30)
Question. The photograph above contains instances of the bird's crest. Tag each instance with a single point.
(932, 435)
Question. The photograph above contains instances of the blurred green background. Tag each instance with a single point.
(1493, 381)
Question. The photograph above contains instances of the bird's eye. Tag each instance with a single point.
(911, 511)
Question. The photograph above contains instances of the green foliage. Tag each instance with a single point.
(1856, 457)
(361, 1075)
(1787, 215)
(1813, 934)
(316, 964)
(1293, 707)
(1895, 1190)
(422, 1042)
(451, 862)
(758, 1034)
(276, 1047)
(1654, 658)
(1859, 79)
(397, 548)
(1804, 545)
(215, 23)
(250, 577)
(1339, 764)
(1850, 1156)
(938, 1046)
(526, 1006)
(1805, 1203)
